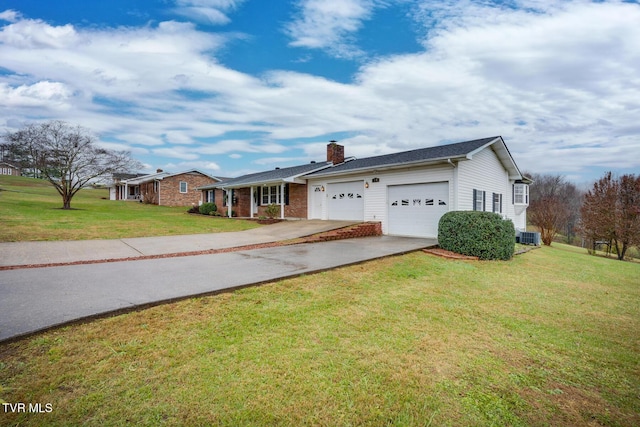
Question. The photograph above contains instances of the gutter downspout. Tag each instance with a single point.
(454, 184)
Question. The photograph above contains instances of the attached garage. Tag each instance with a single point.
(346, 200)
(415, 209)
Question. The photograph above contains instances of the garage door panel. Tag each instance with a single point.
(415, 209)
(346, 200)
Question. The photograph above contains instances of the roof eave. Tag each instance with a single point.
(293, 179)
(392, 166)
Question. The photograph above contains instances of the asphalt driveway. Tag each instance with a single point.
(35, 299)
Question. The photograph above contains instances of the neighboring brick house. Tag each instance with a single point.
(162, 188)
(9, 169)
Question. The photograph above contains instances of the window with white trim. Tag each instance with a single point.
(479, 200)
(273, 195)
(520, 194)
(183, 186)
(270, 195)
(497, 203)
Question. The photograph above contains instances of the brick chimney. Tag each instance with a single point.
(159, 170)
(335, 153)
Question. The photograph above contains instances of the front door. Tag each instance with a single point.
(317, 199)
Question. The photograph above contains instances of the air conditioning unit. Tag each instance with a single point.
(529, 238)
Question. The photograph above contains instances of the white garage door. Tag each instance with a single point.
(414, 210)
(346, 200)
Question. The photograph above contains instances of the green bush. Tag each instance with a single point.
(208, 208)
(272, 210)
(482, 234)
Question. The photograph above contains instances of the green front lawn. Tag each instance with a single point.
(551, 337)
(30, 210)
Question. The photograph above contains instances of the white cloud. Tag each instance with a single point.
(204, 166)
(245, 146)
(330, 25)
(212, 12)
(178, 137)
(175, 153)
(10, 15)
(140, 139)
(52, 95)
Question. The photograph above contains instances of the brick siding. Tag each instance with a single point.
(170, 194)
(297, 207)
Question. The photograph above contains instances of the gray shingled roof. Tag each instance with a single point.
(459, 149)
(274, 175)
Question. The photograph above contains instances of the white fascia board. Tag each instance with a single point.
(505, 157)
(392, 166)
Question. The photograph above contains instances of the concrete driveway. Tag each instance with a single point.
(61, 252)
(35, 299)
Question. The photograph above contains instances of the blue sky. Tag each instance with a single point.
(238, 86)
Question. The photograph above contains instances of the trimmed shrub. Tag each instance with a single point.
(208, 208)
(272, 210)
(482, 234)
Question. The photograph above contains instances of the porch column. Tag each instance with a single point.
(126, 191)
(252, 201)
(229, 201)
(282, 201)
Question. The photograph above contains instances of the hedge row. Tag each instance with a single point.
(482, 234)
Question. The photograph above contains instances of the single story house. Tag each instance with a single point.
(161, 188)
(408, 192)
(9, 169)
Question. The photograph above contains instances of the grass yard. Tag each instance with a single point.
(30, 210)
(549, 338)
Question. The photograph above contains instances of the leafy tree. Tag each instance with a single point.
(611, 212)
(67, 156)
(550, 208)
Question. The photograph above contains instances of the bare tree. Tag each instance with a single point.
(611, 212)
(67, 156)
(550, 209)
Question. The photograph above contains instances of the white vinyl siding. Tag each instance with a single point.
(483, 172)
